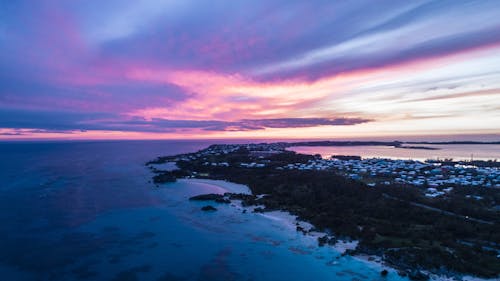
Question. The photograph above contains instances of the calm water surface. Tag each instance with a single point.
(87, 211)
(457, 152)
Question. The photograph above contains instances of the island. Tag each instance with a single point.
(439, 217)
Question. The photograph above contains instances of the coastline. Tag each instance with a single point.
(228, 186)
(302, 184)
(292, 223)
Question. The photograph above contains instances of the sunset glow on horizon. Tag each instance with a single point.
(248, 69)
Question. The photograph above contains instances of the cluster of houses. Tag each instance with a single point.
(259, 151)
(221, 149)
(436, 177)
(408, 172)
(214, 150)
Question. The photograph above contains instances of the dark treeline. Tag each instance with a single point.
(407, 236)
(453, 142)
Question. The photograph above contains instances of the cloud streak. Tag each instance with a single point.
(268, 67)
(24, 122)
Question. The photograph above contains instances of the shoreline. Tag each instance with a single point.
(299, 183)
(290, 221)
(231, 187)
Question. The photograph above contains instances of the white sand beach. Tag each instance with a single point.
(225, 185)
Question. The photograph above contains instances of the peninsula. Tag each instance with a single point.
(420, 217)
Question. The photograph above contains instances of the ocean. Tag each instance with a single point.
(88, 211)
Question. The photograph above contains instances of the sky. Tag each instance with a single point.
(151, 69)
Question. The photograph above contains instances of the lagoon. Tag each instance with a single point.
(455, 151)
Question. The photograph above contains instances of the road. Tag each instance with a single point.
(439, 210)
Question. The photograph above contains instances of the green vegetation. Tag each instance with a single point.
(395, 222)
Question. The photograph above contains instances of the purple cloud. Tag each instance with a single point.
(61, 121)
(64, 64)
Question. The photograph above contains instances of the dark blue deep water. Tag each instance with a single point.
(87, 211)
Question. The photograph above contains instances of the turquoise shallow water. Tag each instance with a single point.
(86, 211)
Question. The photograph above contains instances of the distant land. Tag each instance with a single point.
(396, 144)
(453, 142)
